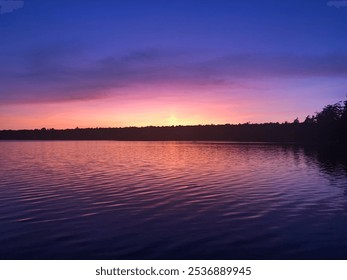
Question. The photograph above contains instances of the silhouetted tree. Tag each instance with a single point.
(310, 119)
(330, 114)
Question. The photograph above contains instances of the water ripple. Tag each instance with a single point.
(181, 200)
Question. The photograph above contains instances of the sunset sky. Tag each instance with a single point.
(106, 63)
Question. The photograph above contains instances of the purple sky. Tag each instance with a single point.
(123, 63)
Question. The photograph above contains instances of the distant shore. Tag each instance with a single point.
(269, 132)
(328, 127)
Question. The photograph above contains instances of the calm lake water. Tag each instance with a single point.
(170, 200)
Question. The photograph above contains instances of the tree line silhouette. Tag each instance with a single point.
(327, 126)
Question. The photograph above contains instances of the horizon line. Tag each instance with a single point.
(153, 126)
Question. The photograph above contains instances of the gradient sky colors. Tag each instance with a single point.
(135, 63)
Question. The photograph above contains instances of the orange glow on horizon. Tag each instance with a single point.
(150, 108)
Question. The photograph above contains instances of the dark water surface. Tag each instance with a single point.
(170, 200)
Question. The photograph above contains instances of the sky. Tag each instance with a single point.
(67, 64)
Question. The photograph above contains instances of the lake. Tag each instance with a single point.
(170, 200)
